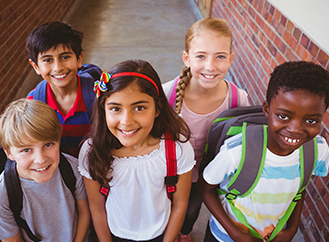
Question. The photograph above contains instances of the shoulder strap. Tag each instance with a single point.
(40, 92)
(254, 143)
(172, 94)
(67, 174)
(171, 161)
(89, 73)
(234, 99)
(15, 197)
(87, 85)
(3, 159)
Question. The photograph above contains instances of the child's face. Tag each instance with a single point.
(293, 119)
(58, 66)
(37, 160)
(130, 116)
(209, 58)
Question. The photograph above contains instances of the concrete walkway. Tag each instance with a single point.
(152, 30)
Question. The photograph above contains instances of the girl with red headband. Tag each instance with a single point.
(124, 160)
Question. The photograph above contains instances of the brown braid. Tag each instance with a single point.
(183, 81)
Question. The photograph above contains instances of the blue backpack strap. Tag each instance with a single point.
(88, 74)
(171, 161)
(15, 197)
(40, 92)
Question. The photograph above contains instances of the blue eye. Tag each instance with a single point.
(49, 144)
(25, 150)
(200, 56)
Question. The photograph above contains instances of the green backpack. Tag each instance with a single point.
(234, 121)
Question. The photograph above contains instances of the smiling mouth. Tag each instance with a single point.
(60, 76)
(128, 132)
(292, 141)
(42, 169)
(209, 76)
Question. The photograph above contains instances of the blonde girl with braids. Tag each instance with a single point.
(202, 93)
(127, 152)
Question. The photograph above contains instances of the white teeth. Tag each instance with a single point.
(209, 76)
(42, 169)
(60, 76)
(129, 132)
(292, 140)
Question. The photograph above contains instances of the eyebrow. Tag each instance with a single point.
(135, 103)
(202, 52)
(309, 115)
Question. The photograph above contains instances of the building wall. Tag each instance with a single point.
(17, 19)
(263, 39)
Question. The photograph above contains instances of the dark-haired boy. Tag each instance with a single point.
(297, 98)
(55, 53)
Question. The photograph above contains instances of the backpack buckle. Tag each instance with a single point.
(170, 181)
(230, 196)
(104, 190)
(297, 197)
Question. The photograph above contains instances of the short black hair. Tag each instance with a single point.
(299, 75)
(50, 35)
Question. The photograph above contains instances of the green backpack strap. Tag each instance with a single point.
(307, 152)
(252, 161)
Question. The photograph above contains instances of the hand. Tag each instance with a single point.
(283, 236)
(246, 237)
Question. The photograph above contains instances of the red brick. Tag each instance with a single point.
(297, 33)
(303, 53)
(283, 20)
(291, 56)
(277, 15)
(304, 41)
(279, 44)
(290, 26)
(313, 49)
(322, 58)
(291, 42)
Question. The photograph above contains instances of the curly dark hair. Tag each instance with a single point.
(50, 35)
(299, 75)
(103, 141)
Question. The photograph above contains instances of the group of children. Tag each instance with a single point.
(135, 156)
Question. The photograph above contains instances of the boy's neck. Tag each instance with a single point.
(66, 96)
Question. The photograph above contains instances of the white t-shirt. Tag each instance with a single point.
(137, 205)
(199, 124)
(277, 186)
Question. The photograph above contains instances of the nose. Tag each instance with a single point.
(58, 67)
(127, 118)
(210, 64)
(40, 157)
(295, 126)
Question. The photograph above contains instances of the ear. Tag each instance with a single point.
(35, 67)
(231, 57)
(9, 155)
(266, 108)
(186, 59)
(80, 59)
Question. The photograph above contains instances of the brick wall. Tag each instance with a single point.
(17, 19)
(263, 39)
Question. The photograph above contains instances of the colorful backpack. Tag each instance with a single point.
(171, 163)
(251, 122)
(15, 194)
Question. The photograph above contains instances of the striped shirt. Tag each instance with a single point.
(271, 197)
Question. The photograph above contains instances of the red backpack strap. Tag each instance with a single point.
(233, 95)
(171, 161)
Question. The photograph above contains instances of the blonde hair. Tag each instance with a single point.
(24, 120)
(217, 25)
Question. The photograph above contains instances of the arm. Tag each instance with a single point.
(289, 232)
(211, 200)
(97, 209)
(178, 207)
(83, 220)
(16, 238)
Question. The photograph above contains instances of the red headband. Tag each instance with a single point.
(105, 78)
(138, 75)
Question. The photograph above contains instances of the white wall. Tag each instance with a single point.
(311, 16)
